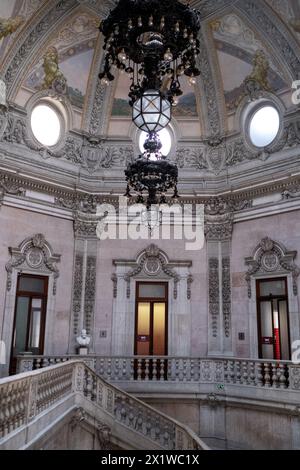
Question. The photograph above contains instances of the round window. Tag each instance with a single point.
(45, 125)
(165, 138)
(264, 126)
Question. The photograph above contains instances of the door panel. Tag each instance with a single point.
(284, 330)
(273, 319)
(20, 336)
(30, 317)
(143, 329)
(151, 319)
(159, 329)
(266, 330)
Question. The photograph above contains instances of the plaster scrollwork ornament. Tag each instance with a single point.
(290, 194)
(85, 224)
(153, 262)
(9, 187)
(218, 220)
(33, 254)
(10, 25)
(272, 257)
(104, 436)
(3, 102)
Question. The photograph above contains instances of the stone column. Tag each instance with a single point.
(84, 276)
(218, 231)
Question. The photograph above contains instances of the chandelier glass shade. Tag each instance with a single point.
(151, 112)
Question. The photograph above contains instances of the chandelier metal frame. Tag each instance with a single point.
(156, 43)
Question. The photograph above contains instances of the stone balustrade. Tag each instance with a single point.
(26, 396)
(222, 371)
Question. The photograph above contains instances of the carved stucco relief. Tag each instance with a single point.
(33, 254)
(271, 257)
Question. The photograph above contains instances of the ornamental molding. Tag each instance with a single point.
(218, 227)
(8, 186)
(153, 263)
(271, 257)
(79, 200)
(34, 254)
(85, 225)
(95, 154)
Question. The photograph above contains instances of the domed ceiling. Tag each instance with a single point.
(233, 33)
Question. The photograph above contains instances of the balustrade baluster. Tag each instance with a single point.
(139, 369)
(252, 374)
(162, 370)
(101, 367)
(267, 377)
(192, 370)
(259, 374)
(131, 369)
(154, 369)
(147, 369)
(245, 378)
(238, 372)
(274, 366)
(282, 381)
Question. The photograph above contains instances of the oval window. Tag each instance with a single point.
(45, 125)
(264, 126)
(165, 138)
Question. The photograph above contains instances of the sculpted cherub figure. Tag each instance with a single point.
(295, 24)
(260, 71)
(54, 78)
(10, 25)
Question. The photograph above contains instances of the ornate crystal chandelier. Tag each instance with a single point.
(156, 43)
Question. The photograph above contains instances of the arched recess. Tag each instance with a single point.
(271, 259)
(33, 256)
(152, 264)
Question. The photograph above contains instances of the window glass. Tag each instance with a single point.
(276, 287)
(45, 125)
(155, 291)
(31, 284)
(264, 126)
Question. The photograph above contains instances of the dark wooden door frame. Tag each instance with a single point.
(152, 301)
(268, 298)
(31, 295)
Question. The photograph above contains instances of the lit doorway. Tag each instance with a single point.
(151, 337)
(30, 317)
(273, 319)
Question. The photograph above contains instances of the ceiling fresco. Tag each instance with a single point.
(231, 41)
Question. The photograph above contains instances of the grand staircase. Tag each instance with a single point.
(68, 405)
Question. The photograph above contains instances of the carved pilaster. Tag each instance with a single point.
(77, 291)
(226, 295)
(214, 295)
(89, 298)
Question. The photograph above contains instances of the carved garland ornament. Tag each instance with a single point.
(272, 257)
(152, 262)
(36, 254)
